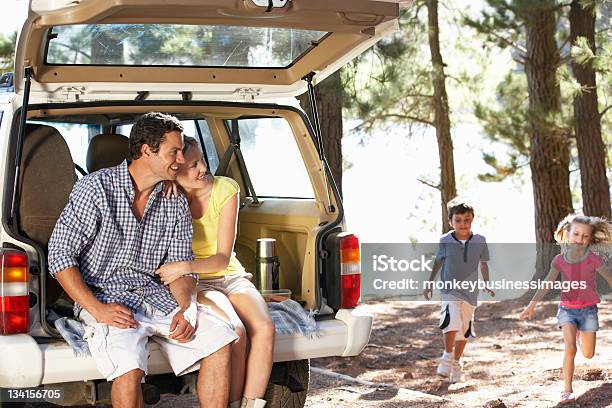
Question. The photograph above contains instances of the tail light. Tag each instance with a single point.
(350, 271)
(14, 299)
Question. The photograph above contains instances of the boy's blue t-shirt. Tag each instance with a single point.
(461, 263)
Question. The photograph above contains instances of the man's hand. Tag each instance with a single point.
(183, 325)
(427, 293)
(114, 314)
(173, 270)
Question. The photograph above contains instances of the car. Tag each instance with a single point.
(230, 71)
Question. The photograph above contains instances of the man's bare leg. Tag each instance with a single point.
(126, 391)
(213, 379)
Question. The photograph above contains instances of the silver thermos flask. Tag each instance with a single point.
(267, 265)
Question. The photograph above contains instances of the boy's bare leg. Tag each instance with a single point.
(126, 391)
(449, 341)
(459, 347)
(213, 379)
(569, 337)
(587, 344)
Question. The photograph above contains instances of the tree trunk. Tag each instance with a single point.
(329, 105)
(549, 145)
(441, 112)
(587, 122)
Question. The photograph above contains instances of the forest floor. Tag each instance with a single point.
(510, 361)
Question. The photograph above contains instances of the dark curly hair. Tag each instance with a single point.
(151, 129)
(459, 206)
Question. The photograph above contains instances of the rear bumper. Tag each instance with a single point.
(344, 336)
(26, 363)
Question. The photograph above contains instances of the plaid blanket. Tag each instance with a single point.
(290, 317)
(72, 331)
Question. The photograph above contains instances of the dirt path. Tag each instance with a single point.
(510, 360)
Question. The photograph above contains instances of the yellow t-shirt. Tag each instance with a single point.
(205, 229)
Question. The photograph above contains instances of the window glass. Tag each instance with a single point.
(209, 146)
(178, 45)
(273, 159)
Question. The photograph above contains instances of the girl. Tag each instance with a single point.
(578, 264)
(224, 284)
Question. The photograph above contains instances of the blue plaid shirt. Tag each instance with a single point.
(116, 254)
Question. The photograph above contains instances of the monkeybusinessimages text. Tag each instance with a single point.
(385, 263)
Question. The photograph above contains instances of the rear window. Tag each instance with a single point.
(178, 45)
(273, 159)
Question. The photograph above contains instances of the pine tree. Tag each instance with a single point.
(441, 113)
(529, 28)
(587, 120)
(408, 87)
(329, 96)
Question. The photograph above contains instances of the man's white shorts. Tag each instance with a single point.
(457, 315)
(118, 351)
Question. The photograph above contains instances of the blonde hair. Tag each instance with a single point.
(188, 143)
(601, 228)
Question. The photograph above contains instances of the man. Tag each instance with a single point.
(115, 231)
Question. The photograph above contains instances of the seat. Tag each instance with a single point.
(47, 177)
(106, 150)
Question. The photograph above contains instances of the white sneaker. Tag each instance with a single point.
(456, 374)
(445, 367)
(252, 403)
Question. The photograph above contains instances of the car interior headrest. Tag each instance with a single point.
(106, 150)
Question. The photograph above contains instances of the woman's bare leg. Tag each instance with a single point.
(253, 312)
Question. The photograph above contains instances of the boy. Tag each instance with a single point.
(459, 254)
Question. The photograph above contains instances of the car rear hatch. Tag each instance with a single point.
(213, 49)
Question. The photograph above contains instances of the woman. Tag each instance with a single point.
(224, 284)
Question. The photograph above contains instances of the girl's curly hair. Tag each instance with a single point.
(602, 228)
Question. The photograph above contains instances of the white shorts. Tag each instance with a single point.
(118, 351)
(457, 315)
(228, 284)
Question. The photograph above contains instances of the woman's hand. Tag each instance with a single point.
(173, 270)
(170, 189)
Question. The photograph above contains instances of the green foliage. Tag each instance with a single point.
(7, 52)
(506, 119)
(506, 122)
(499, 23)
(392, 82)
